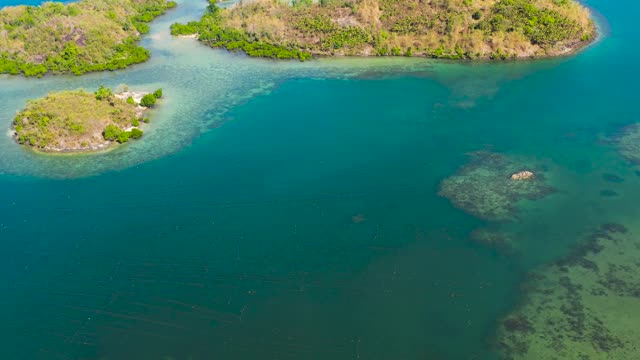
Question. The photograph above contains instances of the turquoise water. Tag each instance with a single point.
(228, 232)
(24, 2)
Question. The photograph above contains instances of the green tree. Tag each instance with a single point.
(123, 137)
(148, 100)
(158, 93)
(111, 132)
(136, 133)
(104, 93)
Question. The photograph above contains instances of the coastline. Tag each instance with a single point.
(135, 55)
(568, 50)
(323, 34)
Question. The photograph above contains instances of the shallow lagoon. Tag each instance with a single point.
(290, 210)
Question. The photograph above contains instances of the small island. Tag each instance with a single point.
(80, 121)
(451, 29)
(84, 36)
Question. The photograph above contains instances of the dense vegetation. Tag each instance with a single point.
(85, 36)
(149, 100)
(212, 31)
(456, 29)
(79, 121)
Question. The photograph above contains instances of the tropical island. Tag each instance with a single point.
(84, 36)
(80, 121)
(452, 29)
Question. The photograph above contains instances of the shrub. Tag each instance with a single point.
(136, 133)
(158, 93)
(185, 29)
(542, 26)
(148, 100)
(301, 3)
(104, 93)
(135, 122)
(111, 132)
(123, 137)
(130, 101)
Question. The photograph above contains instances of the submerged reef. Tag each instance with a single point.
(608, 193)
(628, 143)
(612, 178)
(502, 241)
(583, 306)
(485, 186)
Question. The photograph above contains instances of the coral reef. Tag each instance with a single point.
(582, 306)
(628, 143)
(484, 187)
(612, 178)
(493, 237)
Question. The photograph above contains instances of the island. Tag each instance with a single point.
(80, 37)
(81, 121)
(451, 29)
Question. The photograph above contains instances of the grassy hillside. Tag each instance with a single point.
(81, 121)
(456, 29)
(89, 35)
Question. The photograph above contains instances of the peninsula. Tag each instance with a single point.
(84, 36)
(80, 121)
(452, 29)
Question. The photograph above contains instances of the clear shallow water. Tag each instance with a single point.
(228, 231)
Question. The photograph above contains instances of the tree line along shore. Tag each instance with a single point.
(80, 37)
(451, 29)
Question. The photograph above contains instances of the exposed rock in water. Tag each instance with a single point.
(522, 175)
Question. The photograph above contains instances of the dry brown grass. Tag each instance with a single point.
(369, 13)
(76, 120)
(445, 28)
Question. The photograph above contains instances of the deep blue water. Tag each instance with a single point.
(232, 236)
